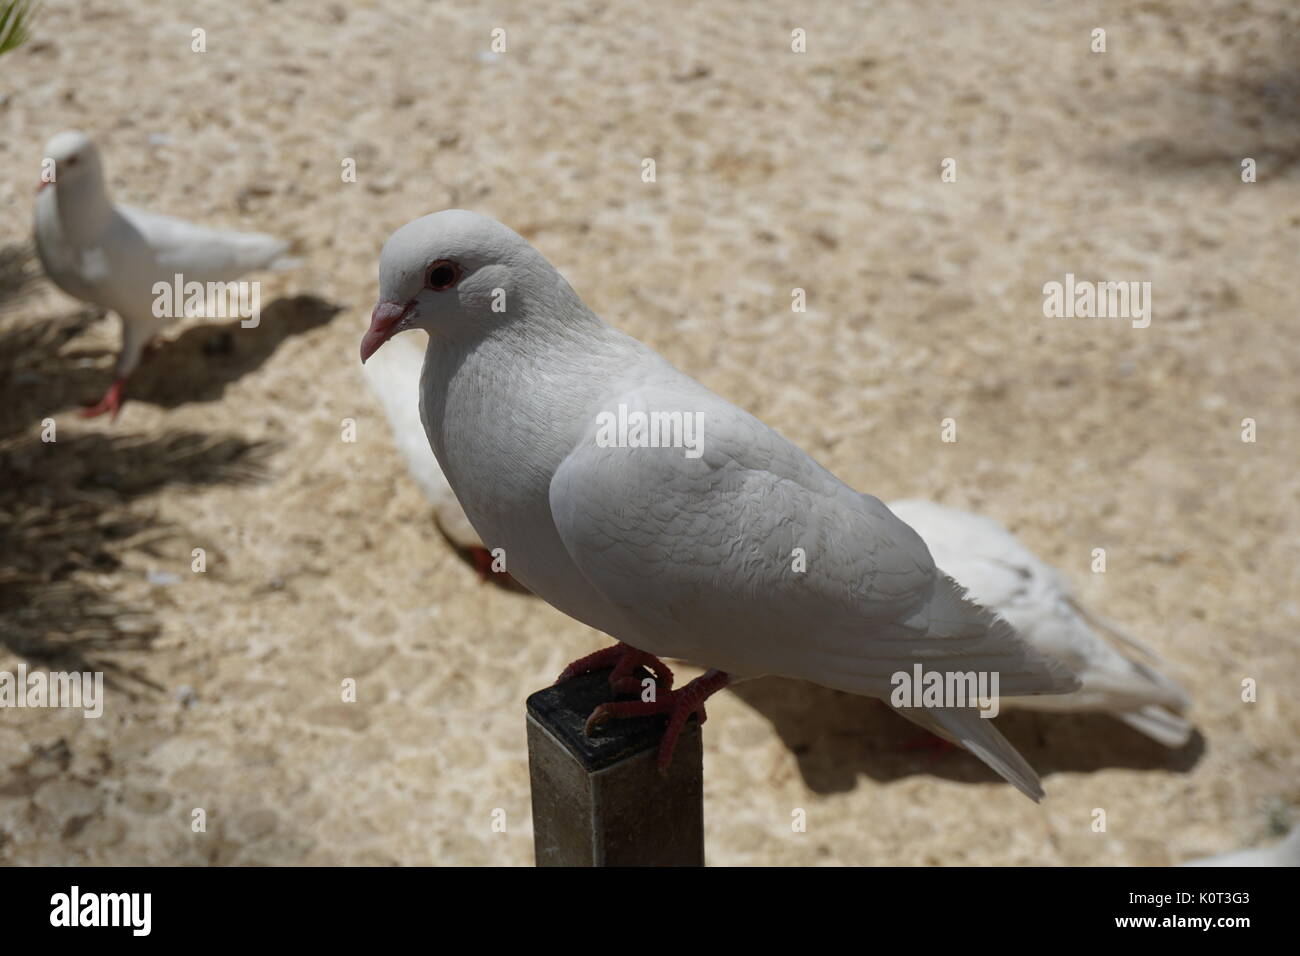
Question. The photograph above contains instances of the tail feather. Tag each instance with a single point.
(964, 726)
(283, 263)
(1159, 724)
(1127, 638)
(972, 631)
(1143, 676)
(257, 250)
(971, 634)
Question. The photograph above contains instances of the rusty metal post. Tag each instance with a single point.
(600, 800)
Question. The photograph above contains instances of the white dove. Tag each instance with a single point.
(1286, 853)
(979, 554)
(1006, 577)
(685, 552)
(394, 377)
(111, 255)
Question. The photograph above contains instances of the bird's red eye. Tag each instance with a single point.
(72, 160)
(442, 275)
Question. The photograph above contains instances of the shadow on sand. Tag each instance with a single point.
(1205, 121)
(839, 737)
(71, 510)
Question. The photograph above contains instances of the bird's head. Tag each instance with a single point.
(75, 159)
(450, 272)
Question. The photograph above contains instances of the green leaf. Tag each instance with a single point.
(14, 18)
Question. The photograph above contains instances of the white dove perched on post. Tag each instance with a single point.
(674, 552)
(1119, 676)
(1003, 575)
(111, 256)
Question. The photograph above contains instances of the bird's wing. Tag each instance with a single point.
(199, 253)
(703, 550)
(700, 556)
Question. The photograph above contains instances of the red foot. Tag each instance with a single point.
(936, 747)
(111, 403)
(677, 704)
(928, 742)
(624, 659)
(480, 559)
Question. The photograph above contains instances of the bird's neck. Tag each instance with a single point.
(84, 210)
(522, 383)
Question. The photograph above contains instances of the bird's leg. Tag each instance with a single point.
(481, 558)
(935, 746)
(679, 705)
(133, 340)
(111, 403)
(926, 742)
(624, 659)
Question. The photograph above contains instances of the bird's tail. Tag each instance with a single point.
(977, 639)
(257, 250)
(1161, 725)
(1156, 702)
(964, 636)
(1145, 662)
(964, 726)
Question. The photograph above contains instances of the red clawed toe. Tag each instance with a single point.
(110, 404)
(624, 659)
(679, 705)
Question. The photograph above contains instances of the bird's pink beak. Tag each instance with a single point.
(385, 322)
(42, 184)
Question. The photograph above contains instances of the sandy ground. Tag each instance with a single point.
(775, 170)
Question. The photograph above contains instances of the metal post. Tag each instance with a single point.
(600, 800)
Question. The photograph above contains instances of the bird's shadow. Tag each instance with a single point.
(205, 358)
(73, 506)
(71, 513)
(38, 375)
(43, 370)
(838, 738)
(1205, 122)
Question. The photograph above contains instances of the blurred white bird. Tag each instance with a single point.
(1286, 853)
(111, 256)
(682, 551)
(394, 376)
(1003, 575)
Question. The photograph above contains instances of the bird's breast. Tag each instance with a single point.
(499, 450)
